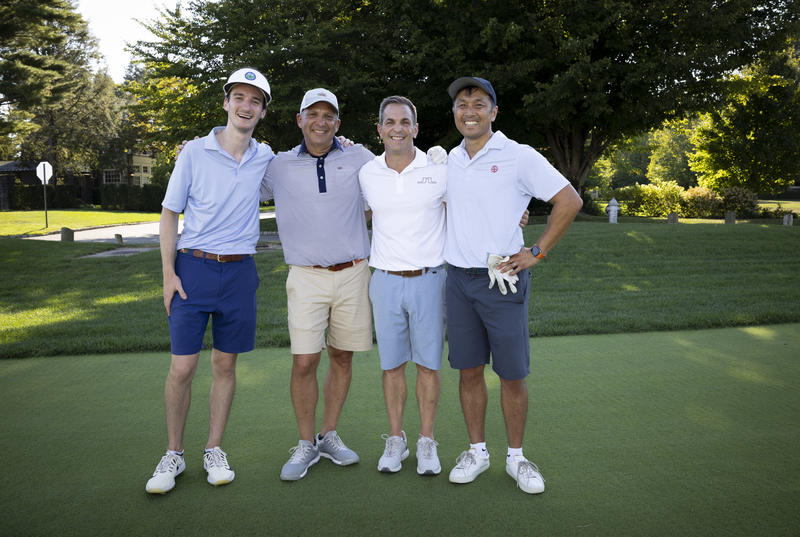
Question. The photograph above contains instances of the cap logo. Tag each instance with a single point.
(494, 169)
(249, 75)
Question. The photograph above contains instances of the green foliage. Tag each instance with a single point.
(573, 76)
(626, 164)
(31, 197)
(753, 139)
(669, 159)
(655, 199)
(132, 198)
(744, 202)
(701, 202)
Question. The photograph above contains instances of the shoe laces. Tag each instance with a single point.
(394, 445)
(217, 458)
(168, 463)
(465, 460)
(426, 446)
(300, 452)
(526, 470)
(333, 440)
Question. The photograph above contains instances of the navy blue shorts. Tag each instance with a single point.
(482, 321)
(226, 292)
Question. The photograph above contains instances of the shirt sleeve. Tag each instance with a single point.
(538, 178)
(180, 182)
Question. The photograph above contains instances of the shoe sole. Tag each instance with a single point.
(465, 479)
(389, 469)
(430, 471)
(523, 489)
(301, 476)
(338, 462)
(221, 481)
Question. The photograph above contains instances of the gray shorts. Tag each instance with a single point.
(409, 317)
(481, 321)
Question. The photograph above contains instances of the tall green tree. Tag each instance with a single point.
(574, 77)
(671, 146)
(34, 69)
(753, 139)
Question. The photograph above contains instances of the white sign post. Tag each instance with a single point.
(44, 171)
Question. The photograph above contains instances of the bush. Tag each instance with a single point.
(655, 199)
(741, 200)
(31, 197)
(132, 198)
(701, 202)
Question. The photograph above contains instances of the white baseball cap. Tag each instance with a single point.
(248, 75)
(317, 95)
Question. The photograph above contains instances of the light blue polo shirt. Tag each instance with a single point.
(486, 196)
(318, 204)
(217, 195)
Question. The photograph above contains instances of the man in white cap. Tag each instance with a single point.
(210, 271)
(489, 179)
(322, 227)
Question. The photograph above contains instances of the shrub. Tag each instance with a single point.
(741, 200)
(701, 202)
(655, 199)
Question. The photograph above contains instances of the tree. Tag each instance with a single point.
(671, 146)
(626, 164)
(753, 139)
(33, 70)
(574, 77)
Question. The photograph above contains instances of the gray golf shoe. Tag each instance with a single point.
(331, 447)
(304, 456)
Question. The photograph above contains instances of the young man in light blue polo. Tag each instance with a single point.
(210, 271)
(490, 178)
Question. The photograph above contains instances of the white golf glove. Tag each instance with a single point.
(437, 154)
(496, 275)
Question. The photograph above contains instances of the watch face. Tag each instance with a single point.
(535, 250)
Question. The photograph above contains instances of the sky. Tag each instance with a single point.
(113, 24)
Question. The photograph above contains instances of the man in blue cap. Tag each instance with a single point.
(491, 178)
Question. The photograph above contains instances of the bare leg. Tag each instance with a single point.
(394, 393)
(178, 397)
(429, 385)
(337, 384)
(305, 393)
(223, 386)
(514, 400)
(472, 390)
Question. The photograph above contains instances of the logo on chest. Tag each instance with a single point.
(495, 169)
(426, 181)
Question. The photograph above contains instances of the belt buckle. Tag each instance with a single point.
(220, 260)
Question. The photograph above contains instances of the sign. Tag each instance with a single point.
(44, 171)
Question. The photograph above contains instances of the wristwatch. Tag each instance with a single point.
(537, 252)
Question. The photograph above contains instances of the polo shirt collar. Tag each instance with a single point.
(420, 160)
(212, 143)
(498, 140)
(336, 145)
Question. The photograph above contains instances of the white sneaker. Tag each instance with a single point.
(469, 465)
(525, 473)
(394, 454)
(163, 480)
(427, 458)
(216, 464)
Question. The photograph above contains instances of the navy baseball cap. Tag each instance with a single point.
(467, 81)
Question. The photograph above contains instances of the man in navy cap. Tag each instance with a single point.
(491, 178)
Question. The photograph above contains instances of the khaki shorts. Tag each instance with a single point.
(320, 299)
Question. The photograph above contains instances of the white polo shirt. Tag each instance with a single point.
(408, 216)
(486, 196)
(218, 195)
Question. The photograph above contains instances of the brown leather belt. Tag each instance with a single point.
(340, 266)
(408, 273)
(221, 258)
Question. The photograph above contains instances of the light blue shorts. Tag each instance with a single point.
(409, 317)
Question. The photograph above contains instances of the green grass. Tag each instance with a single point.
(601, 278)
(671, 433)
(32, 222)
(786, 205)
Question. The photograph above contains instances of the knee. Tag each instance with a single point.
(514, 387)
(340, 359)
(182, 371)
(305, 364)
(223, 365)
(472, 376)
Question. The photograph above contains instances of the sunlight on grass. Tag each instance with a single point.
(631, 288)
(638, 236)
(38, 317)
(124, 298)
(748, 373)
(761, 332)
